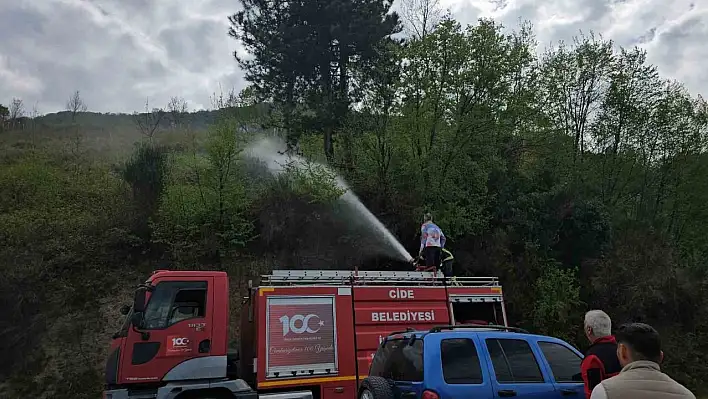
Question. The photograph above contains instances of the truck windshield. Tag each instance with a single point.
(399, 361)
(175, 301)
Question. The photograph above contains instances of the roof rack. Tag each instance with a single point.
(478, 326)
(346, 277)
(407, 330)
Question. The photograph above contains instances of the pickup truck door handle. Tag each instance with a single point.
(507, 393)
(568, 392)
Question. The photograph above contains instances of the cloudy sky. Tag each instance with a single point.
(118, 52)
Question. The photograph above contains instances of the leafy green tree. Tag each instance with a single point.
(557, 302)
(203, 210)
(368, 139)
(574, 80)
(146, 173)
(455, 89)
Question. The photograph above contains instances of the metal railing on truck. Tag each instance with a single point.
(359, 278)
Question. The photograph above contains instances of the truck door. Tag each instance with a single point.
(176, 326)
(563, 365)
(515, 369)
(461, 373)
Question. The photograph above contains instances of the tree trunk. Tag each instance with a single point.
(328, 145)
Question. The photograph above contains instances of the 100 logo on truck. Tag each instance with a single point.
(290, 324)
(301, 333)
(177, 345)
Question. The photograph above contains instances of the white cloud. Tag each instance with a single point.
(118, 52)
(17, 78)
(672, 33)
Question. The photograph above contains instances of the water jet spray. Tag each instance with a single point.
(269, 151)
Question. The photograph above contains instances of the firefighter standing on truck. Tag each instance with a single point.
(432, 240)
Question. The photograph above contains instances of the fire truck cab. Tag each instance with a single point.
(303, 334)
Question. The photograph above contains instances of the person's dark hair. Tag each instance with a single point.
(642, 340)
(427, 217)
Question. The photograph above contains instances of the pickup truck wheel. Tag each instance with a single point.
(375, 388)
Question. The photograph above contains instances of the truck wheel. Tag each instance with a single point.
(375, 388)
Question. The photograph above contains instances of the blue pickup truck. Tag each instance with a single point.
(466, 362)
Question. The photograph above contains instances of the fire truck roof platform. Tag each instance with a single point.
(352, 277)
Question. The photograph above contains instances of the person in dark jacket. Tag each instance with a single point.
(600, 360)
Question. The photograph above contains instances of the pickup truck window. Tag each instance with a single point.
(460, 362)
(513, 361)
(564, 362)
(174, 301)
(399, 361)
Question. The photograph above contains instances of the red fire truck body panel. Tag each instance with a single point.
(380, 311)
(363, 315)
(298, 353)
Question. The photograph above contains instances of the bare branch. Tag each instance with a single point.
(421, 16)
(221, 101)
(34, 114)
(177, 107)
(17, 109)
(75, 104)
(149, 121)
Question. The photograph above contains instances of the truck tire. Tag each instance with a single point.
(376, 388)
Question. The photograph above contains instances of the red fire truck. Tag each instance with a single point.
(303, 334)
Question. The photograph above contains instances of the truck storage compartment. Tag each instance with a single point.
(476, 310)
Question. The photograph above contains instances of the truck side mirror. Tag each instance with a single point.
(136, 319)
(139, 300)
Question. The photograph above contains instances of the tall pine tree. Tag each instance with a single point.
(306, 56)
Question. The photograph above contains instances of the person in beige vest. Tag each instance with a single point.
(639, 353)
